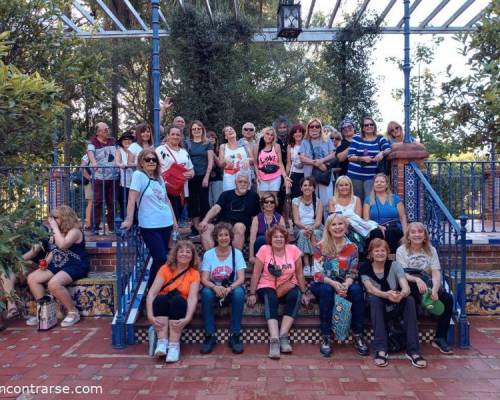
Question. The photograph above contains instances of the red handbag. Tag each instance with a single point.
(174, 177)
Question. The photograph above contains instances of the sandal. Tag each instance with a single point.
(71, 319)
(381, 359)
(417, 360)
(12, 313)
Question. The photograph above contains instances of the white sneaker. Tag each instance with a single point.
(71, 319)
(32, 321)
(173, 354)
(161, 348)
(307, 270)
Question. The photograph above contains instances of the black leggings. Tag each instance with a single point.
(270, 299)
(173, 306)
(198, 198)
(392, 236)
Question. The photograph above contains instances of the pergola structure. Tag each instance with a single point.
(393, 17)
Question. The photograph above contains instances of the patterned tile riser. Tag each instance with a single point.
(260, 335)
(483, 298)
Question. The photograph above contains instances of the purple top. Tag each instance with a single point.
(263, 227)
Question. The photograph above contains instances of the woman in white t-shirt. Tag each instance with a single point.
(144, 140)
(294, 166)
(222, 275)
(423, 271)
(171, 153)
(154, 211)
(233, 158)
(126, 161)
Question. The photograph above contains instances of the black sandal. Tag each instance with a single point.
(416, 359)
(381, 356)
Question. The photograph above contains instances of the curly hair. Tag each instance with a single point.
(67, 218)
(276, 228)
(186, 244)
(222, 226)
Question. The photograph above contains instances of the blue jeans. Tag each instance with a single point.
(208, 301)
(356, 297)
(325, 294)
(260, 241)
(156, 240)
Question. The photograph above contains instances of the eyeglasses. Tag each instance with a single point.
(337, 138)
(396, 128)
(249, 129)
(268, 202)
(197, 128)
(371, 124)
(151, 160)
(314, 126)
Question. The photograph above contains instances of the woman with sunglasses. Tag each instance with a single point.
(201, 152)
(295, 167)
(366, 154)
(277, 276)
(347, 132)
(155, 214)
(317, 155)
(394, 133)
(215, 185)
(269, 167)
(262, 222)
(66, 262)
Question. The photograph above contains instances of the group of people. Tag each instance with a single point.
(346, 222)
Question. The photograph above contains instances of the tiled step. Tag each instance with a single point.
(483, 292)
(305, 330)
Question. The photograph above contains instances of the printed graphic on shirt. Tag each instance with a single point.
(420, 261)
(218, 274)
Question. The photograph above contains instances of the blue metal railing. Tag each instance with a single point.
(131, 257)
(472, 187)
(449, 238)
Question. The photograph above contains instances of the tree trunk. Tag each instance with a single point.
(68, 125)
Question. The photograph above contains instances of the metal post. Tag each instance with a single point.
(54, 138)
(407, 68)
(155, 24)
(118, 327)
(463, 322)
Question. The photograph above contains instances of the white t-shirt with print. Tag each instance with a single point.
(420, 260)
(220, 270)
(166, 160)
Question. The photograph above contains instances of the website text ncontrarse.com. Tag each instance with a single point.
(49, 389)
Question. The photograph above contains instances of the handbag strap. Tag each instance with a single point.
(233, 261)
(174, 279)
(312, 149)
(172, 154)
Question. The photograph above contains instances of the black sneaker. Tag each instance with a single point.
(326, 346)
(360, 345)
(208, 344)
(194, 234)
(235, 344)
(442, 345)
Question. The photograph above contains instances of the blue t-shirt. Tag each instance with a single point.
(154, 211)
(220, 270)
(321, 148)
(361, 147)
(384, 212)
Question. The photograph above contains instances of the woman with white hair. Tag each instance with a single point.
(233, 158)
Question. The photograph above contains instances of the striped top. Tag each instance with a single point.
(361, 147)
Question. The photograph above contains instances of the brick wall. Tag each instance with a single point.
(481, 257)
(102, 259)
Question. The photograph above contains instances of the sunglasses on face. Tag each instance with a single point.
(314, 126)
(268, 202)
(150, 160)
(370, 124)
(396, 128)
(248, 129)
(196, 129)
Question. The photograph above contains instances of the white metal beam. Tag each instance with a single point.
(209, 11)
(434, 12)
(70, 23)
(87, 15)
(475, 19)
(361, 12)
(135, 14)
(112, 16)
(310, 13)
(162, 17)
(386, 11)
(458, 13)
(334, 13)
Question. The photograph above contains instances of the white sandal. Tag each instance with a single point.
(71, 319)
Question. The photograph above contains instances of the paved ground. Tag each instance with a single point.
(83, 355)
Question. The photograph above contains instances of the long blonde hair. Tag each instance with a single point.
(327, 243)
(306, 136)
(342, 179)
(67, 218)
(387, 189)
(426, 245)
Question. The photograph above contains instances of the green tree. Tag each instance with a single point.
(469, 106)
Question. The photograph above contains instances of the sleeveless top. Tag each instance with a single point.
(75, 255)
(237, 156)
(268, 158)
(295, 150)
(263, 227)
(349, 209)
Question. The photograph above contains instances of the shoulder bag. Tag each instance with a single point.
(174, 177)
(322, 177)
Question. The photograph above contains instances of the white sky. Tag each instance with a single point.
(389, 77)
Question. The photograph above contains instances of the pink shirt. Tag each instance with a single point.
(268, 158)
(286, 263)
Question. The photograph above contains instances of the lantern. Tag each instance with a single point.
(289, 21)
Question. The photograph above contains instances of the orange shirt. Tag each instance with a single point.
(182, 284)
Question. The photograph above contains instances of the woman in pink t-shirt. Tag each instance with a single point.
(277, 275)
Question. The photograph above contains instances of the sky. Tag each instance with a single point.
(388, 76)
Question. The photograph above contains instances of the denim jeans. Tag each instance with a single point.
(156, 240)
(260, 241)
(356, 296)
(208, 301)
(325, 294)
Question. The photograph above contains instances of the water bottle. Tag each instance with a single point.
(175, 236)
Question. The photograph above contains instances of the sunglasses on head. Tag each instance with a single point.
(314, 126)
(369, 124)
(150, 160)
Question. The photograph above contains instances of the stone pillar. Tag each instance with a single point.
(58, 188)
(404, 181)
